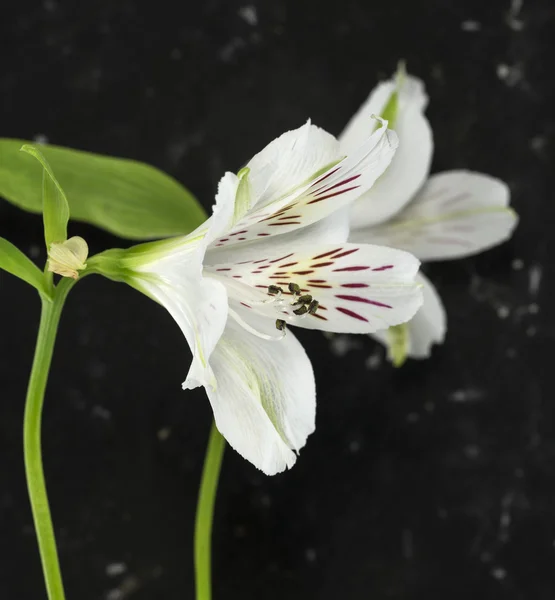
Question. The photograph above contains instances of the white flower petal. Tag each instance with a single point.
(199, 307)
(290, 161)
(265, 400)
(411, 163)
(426, 328)
(360, 288)
(330, 191)
(457, 214)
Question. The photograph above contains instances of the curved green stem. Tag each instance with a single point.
(50, 317)
(205, 513)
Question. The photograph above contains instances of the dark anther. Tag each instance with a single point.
(305, 299)
(301, 310)
(294, 288)
(274, 290)
(313, 307)
(280, 325)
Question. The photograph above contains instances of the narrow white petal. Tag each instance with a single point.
(411, 163)
(360, 288)
(289, 162)
(456, 214)
(332, 190)
(199, 307)
(264, 402)
(426, 328)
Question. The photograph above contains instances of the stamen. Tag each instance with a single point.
(305, 299)
(280, 325)
(301, 310)
(294, 288)
(274, 290)
(313, 307)
(252, 330)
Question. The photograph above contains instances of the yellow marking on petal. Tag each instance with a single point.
(398, 342)
(390, 111)
(68, 258)
(243, 197)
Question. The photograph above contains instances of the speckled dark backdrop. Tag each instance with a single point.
(434, 482)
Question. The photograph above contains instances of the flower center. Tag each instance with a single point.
(300, 305)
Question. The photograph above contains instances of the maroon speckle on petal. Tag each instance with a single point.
(346, 253)
(350, 269)
(361, 299)
(223, 269)
(344, 182)
(316, 281)
(355, 285)
(327, 253)
(289, 217)
(319, 317)
(239, 232)
(327, 175)
(302, 272)
(263, 234)
(280, 258)
(324, 264)
(320, 286)
(284, 223)
(350, 313)
(384, 268)
(338, 193)
(287, 265)
(246, 305)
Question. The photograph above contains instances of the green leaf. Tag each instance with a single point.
(55, 209)
(128, 198)
(15, 262)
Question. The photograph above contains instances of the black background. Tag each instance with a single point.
(432, 482)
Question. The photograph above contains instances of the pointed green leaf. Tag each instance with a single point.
(127, 198)
(15, 262)
(55, 209)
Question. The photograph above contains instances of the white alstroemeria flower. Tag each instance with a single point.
(444, 216)
(274, 252)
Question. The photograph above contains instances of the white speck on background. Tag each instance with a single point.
(503, 312)
(471, 25)
(534, 279)
(538, 143)
(374, 361)
(499, 573)
(101, 412)
(510, 74)
(513, 21)
(228, 51)
(176, 54)
(115, 569)
(472, 451)
(164, 433)
(40, 138)
(354, 447)
(466, 395)
(531, 331)
(517, 264)
(341, 344)
(34, 251)
(248, 14)
(533, 308)
(310, 555)
(50, 5)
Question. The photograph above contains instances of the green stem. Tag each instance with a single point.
(205, 513)
(50, 317)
